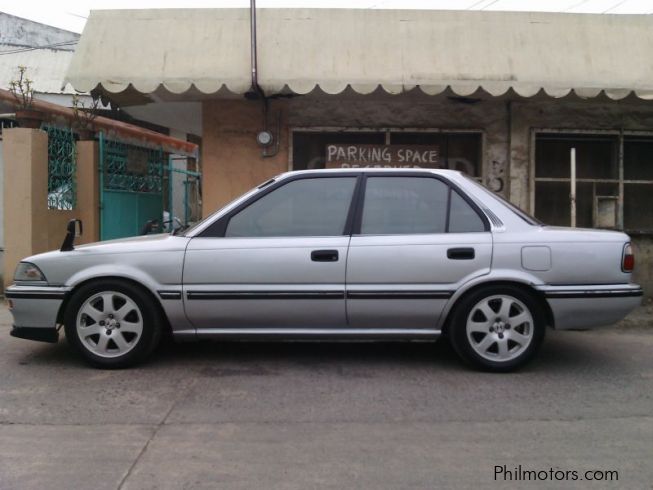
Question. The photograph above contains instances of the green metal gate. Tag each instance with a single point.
(183, 188)
(131, 188)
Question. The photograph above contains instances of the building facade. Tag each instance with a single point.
(503, 97)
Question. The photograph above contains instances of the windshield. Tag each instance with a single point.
(188, 231)
(518, 211)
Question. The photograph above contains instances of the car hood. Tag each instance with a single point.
(145, 240)
(139, 244)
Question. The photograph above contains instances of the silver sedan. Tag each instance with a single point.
(368, 254)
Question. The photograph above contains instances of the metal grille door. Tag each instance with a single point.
(131, 188)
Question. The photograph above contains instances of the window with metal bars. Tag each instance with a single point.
(614, 184)
(62, 165)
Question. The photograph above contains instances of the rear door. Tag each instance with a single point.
(416, 239)
(276, 261)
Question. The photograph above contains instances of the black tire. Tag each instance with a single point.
(462, 344)
(140, 348)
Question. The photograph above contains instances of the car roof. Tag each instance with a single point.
(371, 169)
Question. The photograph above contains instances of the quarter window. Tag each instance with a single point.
(462, 217)
(304, 207)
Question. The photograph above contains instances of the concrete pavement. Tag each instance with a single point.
(297, 416)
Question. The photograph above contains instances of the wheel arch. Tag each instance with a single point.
(133, 282)
(523, 285)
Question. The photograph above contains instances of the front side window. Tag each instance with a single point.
(304, 207)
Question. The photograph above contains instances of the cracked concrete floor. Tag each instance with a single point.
(298, 416)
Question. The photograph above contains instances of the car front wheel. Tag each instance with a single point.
(497, 329)
(112, 324)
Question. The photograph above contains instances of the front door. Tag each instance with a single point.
(417, 240)
(278, 261)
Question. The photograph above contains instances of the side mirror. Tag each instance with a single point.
(149, 226)
(73, 229)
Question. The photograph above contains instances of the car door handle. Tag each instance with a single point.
(461, 253)
(324, 255)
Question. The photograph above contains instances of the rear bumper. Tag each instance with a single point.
(589, 306)
(35, 310)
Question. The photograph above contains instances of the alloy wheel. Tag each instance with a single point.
(500, 328)
(109, 324)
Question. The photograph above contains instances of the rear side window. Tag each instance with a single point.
(404, 205)
(415, 205)
(304, 207)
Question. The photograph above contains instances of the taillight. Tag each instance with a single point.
(628, 260)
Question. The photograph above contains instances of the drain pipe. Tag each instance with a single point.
(265, 138)
(254, 58)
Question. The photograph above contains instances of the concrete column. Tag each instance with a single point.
(88, 190)
(25, 155)
(520, 155)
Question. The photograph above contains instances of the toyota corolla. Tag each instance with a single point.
(366, 254)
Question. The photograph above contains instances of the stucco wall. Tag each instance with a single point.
(23, 149)
(29, 226)
(231, 159)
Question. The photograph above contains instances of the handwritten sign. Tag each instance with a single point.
(391, 156)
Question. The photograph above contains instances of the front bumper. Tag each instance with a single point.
(35, 310)
(588, 306)
(36, 333)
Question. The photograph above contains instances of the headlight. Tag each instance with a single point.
(28, 272)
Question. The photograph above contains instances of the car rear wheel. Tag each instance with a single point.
(112, 324)
(497, 329)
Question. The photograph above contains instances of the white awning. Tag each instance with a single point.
(207, 51)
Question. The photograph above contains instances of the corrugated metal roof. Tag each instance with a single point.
(46, 67)
(303, 49)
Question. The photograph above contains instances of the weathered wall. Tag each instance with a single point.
(416, 111)
(232, 162)
(555, 114)
(643, 274)
(15, 31)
